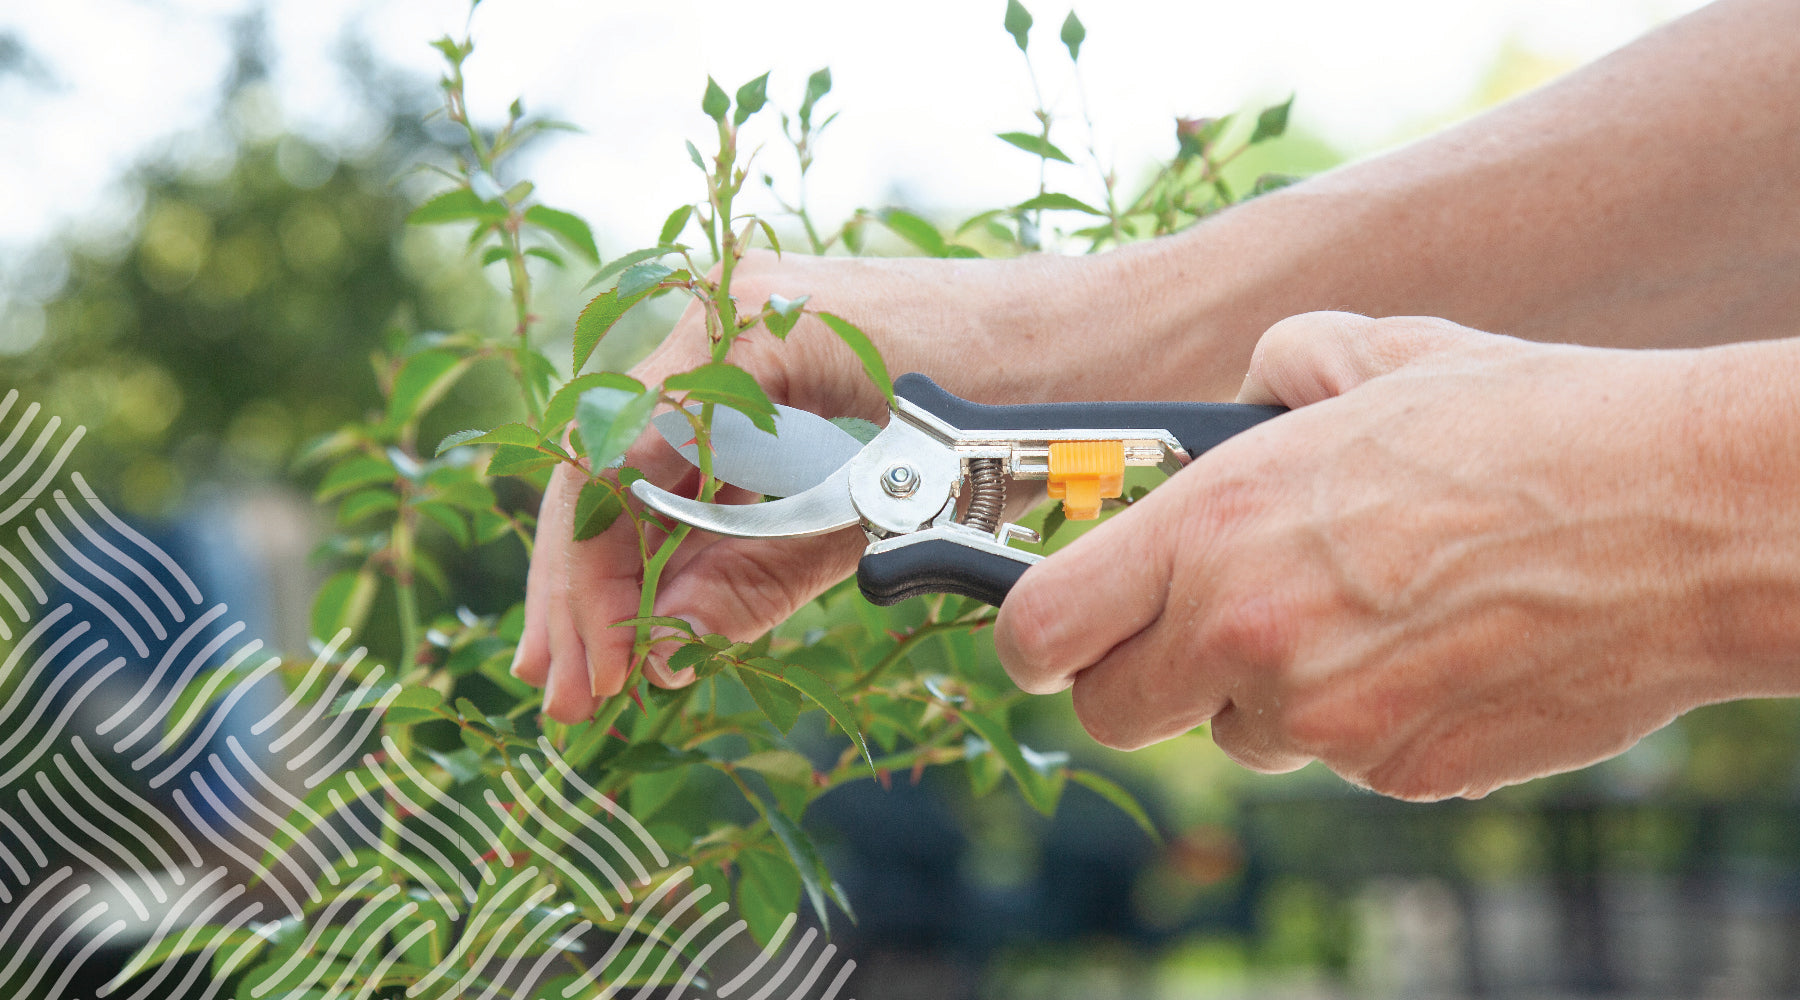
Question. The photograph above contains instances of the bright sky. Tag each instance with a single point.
(922, 87)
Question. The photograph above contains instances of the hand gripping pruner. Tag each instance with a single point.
(903, 486)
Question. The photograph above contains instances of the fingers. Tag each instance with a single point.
(1315, 356)
(1069, 611)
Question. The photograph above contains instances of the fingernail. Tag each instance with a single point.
(518, 655)
(656, 663)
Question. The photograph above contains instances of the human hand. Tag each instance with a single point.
(1463, 561)
(943, 317)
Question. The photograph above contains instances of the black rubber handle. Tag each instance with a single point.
(937, 566)
(1198, 426)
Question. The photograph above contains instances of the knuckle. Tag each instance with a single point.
(1254, 629)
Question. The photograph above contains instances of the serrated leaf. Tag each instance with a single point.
(786, 313)
(768, 890)
(422, 381)
(343, 602)
(566, 226)
(518, 434)
(513, 460)
(355, 473)
(914, 230)
(781, 765)
(674, 224)
(1073, 34)
(800, 850)
(458, 205)
(715, 103)
(1036, 145)
(561, 408)
(1272, 122)
(1057, 202)
(727, 385)
(865, 351)
(624, 261)
(640, 278)
(858, 428)
(1037, 789)
(778, 702)
(817, 86)
(821, 692)
(609, 419)
(597, 319)
(1118, 796)
(596, 508)
(1018, 23)
(750, 99)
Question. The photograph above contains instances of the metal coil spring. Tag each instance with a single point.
(987, 494)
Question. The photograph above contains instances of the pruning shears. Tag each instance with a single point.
(907, 485)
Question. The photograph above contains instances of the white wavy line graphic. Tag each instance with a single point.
(584, 885)
(62, 455)
(488, 836)
(102, 838)
(319, 927)
(24, 573)
(768, 952)
(251, 835)
(150, 548)
(275, 819)
(389, 960)
(424, 846)
(292, 701)
(567, 837)
(375, 937)
(114, 553)
(687, 936)
(118, 788)
(42, 924)
(694, 967)
(505, 972)
(477, 923)
(111, 582)
(218, 939)
(561, 944)
(397, 858)
(47, 737)
(37, 854)
(62, 941)
(293, 803)
(797, 953)
(166, 925)
(73, 967)
(659, 933)
(195, 663)
(593, 795)
(351, 746)
(594, 971)
(94, 600)
(205, 738)
(232, 851)
(24, 687)
(322, 704)
(29, 903)
(498, 937)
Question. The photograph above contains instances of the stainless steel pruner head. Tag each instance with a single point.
(903, 487)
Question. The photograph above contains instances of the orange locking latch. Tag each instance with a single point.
(1083, 473)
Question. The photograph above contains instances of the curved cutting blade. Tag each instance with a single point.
(825, 507)
(804, 450)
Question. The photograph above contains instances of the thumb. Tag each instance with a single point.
(1314, 356)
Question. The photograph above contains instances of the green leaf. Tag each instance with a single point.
(820, 691)
(674, 224)
(817, 86)
(566, 226)
(768, 890)
(1272, 182)
(422, 382)
(1018, 22)
(715, 103)
(1272, 122)
(596, 508)
(1073, 34)
(1124, 800)
(366, 503)
(750, 99)
(597, 318)
(610, 419)
(546, 253)
(1038, 791)
(458, 205)
(641, 278)
(512, 460)
(624, 261)
(163, 948)
(518, 434)
(914, 230)
(651, 790)
(786, 314)
(1056, 203)
(727, 385)
(780, 703)
(865, 351)
(768, 232)
(561, 408)
(800, 851)
(343, 602)
(779, 765)
(354, 473)
(694, 154)
(447, 517)
(1036, 145)
(494, 255)
(858, 428)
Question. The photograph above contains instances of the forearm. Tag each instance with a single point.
(1646, 200)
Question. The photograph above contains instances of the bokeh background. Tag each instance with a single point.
(201, 242)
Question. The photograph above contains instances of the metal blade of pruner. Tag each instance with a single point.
(803, 452)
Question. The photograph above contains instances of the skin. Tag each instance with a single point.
(1467, 559)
